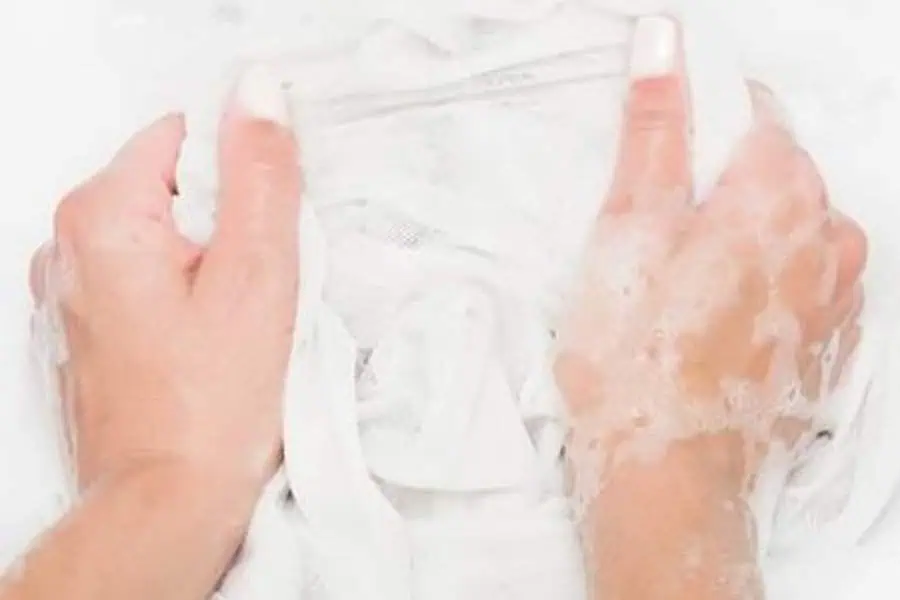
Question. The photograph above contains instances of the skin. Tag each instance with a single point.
(660, 460)
(178, 355)
(177, 361)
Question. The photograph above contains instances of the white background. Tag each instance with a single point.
(59, 118)
(61, 114)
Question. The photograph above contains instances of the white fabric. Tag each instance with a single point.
(446, 284)
(443, 215)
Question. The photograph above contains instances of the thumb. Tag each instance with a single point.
(654, 159)
(257, 222)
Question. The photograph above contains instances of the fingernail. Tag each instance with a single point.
(654, 48)
(768, 106)
(262, 94)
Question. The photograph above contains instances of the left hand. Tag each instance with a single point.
(177, 355)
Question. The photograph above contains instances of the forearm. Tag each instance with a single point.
(666, 531)
(156, 534)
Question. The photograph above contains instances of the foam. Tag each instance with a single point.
(513, 264)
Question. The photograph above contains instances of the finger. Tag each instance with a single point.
(133, 190)
(151, 156)
(821, 331)
(826, 366)
(768, 109)
(39, 272)
(843, 312)
(654, 161)
(260, 188)
(804, 274)
(791, 430)
(851, 336)
(849, 310)
(771, 187)
(769, 149)
(853, 249)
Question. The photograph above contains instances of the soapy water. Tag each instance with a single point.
(622, 247)
(664, 290)
(51, 353)
(410, 230)
(48, 320)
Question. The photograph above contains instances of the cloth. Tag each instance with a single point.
(423, 431)
(455, 156)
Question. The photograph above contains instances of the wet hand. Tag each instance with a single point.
(716, 325)
(177, 354)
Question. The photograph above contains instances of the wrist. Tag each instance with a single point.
(153, 530)
(672, 526)
(684, 472)
(715, 463)
(218, 503)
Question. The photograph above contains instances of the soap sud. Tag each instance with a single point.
(630, 353)
(781, 57)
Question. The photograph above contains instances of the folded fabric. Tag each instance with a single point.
(455, 154)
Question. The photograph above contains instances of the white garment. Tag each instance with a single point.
(443, 215)
(432, 257)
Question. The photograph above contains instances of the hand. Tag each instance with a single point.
(716, 326)
(176, 354)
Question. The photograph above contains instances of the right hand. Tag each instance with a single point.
(710, 325)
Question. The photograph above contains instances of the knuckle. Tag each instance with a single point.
(854, 233)
(810, 183)
(269, 182)
(656, 104)
(861, 246)
(651, 118)
(68, 212)
(264, 269)
(853, 245)
(786, 180)
(272, 147)
(75, 210)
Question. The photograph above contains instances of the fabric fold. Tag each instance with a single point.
(455, 159)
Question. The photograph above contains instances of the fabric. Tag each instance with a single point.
(455, 155)
(422, 432)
